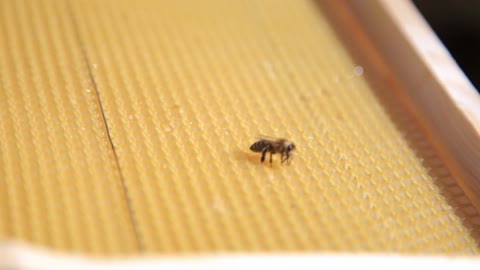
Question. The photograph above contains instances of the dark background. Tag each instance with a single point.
(457, 23)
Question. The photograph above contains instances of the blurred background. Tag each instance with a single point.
(457, 23)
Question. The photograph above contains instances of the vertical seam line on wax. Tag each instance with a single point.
(133, 221)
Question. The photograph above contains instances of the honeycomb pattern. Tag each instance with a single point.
(126, 128)
(59, 180)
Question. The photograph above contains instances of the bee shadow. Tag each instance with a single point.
(253, 158)
(246, 156)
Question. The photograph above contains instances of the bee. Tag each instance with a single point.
(274, 145)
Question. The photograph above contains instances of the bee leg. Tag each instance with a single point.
(284, 158)
(264, 152)
(289, 159)
(271, 159)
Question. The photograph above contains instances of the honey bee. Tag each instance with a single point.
(274, 145)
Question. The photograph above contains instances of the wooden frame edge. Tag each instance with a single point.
(441, 96)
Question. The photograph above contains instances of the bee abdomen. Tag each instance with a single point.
(258, 146)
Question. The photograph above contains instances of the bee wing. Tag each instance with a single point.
(267, 138)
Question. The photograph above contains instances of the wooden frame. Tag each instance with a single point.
(433, 87)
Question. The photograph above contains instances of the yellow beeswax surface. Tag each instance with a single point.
(125, 127)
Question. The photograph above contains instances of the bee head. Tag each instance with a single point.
(291, 147)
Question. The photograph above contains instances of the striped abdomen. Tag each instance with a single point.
(259, 146)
